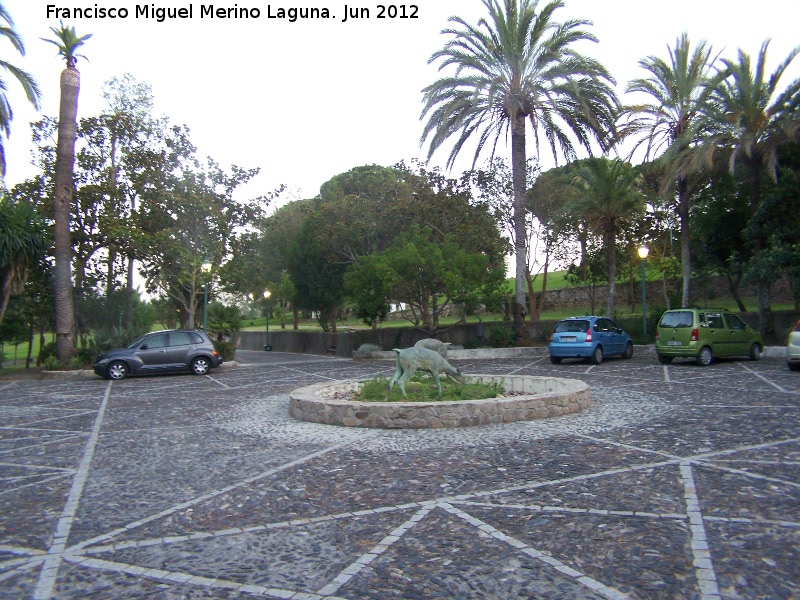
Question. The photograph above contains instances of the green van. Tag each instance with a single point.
(705, 334)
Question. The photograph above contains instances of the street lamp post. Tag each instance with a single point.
(267, 347)
(643, 252)
(206, 266)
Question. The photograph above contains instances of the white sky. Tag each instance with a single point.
(308, 100)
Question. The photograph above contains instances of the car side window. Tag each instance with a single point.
(196, 338)
(157, 341)
(179, 338)
(714, 321)
(735, 322)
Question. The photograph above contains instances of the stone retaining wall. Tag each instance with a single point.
(540, 398)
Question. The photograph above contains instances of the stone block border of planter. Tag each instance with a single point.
(530, 398)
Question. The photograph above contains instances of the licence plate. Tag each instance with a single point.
(674, 343)
(568, 338)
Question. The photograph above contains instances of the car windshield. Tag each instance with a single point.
(678, 318)
(572, 326)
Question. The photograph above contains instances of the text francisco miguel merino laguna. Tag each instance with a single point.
(209, 11)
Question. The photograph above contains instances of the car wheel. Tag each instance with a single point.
(755, 352)
(200, 365)
(794, 366)
(628, 351)
(556, 360)
(117, 370)
(597, 356)
(706, 357)
(664, 360)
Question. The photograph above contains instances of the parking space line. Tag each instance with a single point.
(547, 558)
(666, 374)
(7, 385)
(750, 474)
(55, 553)
(225, 385)
(212, 494)
(527, 366)
(764, 379)
(704, 567)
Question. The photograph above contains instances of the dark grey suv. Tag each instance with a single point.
(160, 352)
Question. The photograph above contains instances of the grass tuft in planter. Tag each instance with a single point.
(421, 388)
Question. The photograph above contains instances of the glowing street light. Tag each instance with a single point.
(643, 252)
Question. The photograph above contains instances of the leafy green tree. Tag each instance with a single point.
(431, 274)
(608, 199)
(678, 91)
(369, 284)
(27, 82)
(591, 274)
(747, 119)
(720, 232)
(549, 200)
(517, 65)
(67, 42)
(318, 278)
(363, 212)
(192, 221)
(127, 134)
(14, 329)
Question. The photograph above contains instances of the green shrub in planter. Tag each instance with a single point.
(225, 349)
(51, 364)
(47, 351)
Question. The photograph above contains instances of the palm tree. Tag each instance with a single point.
(679, 89)
(26, 81)
(748, 119)
(519, 65)
(609, 196)
(67, 42)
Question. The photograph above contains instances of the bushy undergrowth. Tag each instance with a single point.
(225, 349)
(422, 388)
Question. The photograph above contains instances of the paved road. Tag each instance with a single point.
(679, 482)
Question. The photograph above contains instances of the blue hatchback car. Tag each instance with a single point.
(589, 337)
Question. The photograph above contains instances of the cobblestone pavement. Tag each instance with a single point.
(679, 482)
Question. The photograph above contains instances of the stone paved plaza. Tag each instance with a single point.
(679, 482)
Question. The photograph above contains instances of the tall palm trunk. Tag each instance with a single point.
(518, 176)
(765, 321)
(610, 242)
(686, 241)
(65, 162)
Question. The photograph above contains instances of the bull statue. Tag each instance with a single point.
(410, 360)
(435, 345)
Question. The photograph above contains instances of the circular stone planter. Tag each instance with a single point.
(534, 398)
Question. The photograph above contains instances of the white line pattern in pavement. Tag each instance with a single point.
(580, 429)
(49, 572)
(704, 567)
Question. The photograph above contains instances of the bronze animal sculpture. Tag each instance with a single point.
(410, 360)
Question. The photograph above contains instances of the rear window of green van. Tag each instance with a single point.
(677, 318)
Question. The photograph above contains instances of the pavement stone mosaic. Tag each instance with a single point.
(679, 482)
